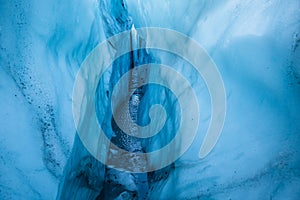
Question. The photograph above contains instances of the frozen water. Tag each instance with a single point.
(255, 45)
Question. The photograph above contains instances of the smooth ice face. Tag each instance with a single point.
(255, 46)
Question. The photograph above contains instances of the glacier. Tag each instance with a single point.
(254, 44)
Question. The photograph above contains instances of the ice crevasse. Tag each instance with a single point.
(254, 44)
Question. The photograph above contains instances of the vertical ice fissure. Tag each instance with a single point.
(84, 176)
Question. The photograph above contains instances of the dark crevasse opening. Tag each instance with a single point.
(85, 177)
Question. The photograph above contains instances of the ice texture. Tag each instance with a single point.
(255, 45)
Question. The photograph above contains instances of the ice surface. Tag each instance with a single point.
(255, 45)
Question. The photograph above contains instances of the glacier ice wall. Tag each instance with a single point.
(40, 54)
(255, 45)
